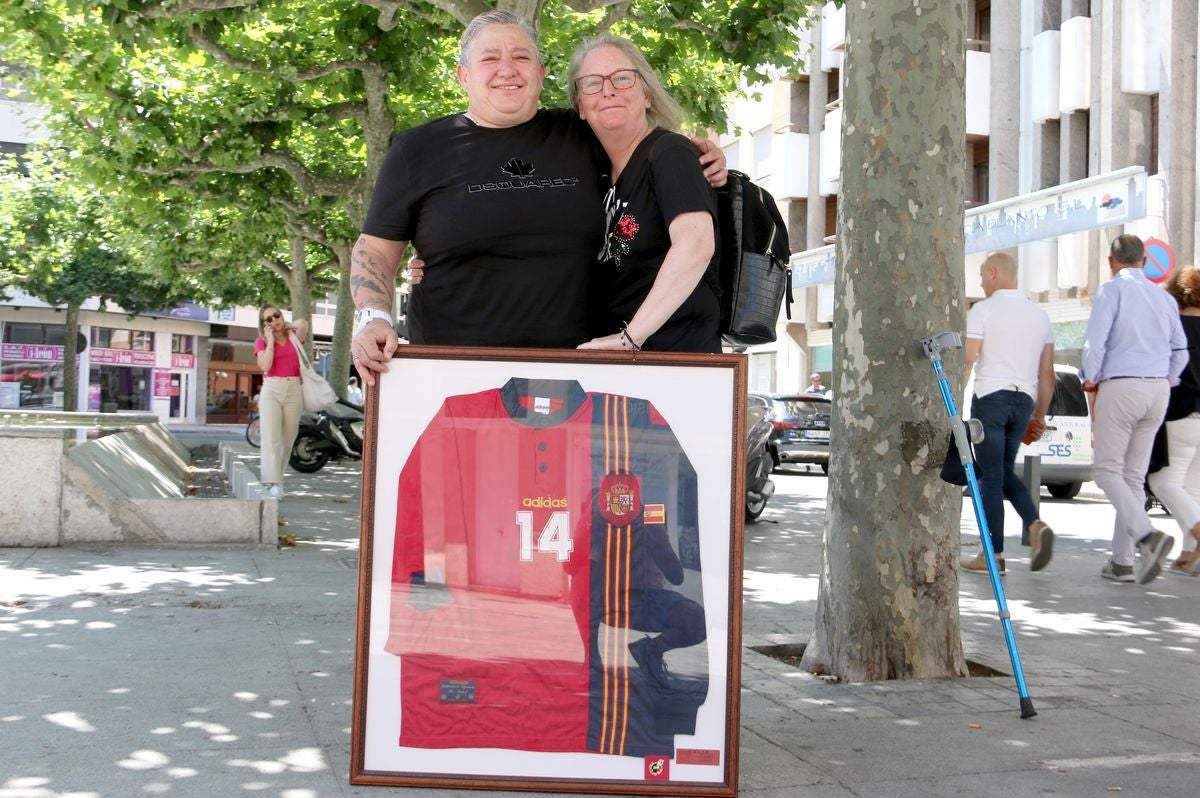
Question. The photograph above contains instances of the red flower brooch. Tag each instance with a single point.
(622, 233)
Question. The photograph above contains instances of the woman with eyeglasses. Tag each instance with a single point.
(660, 213)
(280, 402)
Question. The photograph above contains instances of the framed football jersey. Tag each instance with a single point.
(550, 582)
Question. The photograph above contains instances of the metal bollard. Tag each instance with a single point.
(1031, 475)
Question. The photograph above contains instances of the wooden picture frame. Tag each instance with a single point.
(550, 578)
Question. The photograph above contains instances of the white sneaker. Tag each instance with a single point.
(276, 492)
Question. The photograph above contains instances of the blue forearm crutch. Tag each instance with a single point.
(934, 346)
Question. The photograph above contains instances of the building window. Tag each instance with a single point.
(981, 33)
(131, 340)
(762, 153)
(232, 352)
(979, 173)
(1152, 166)
(37, 334)
(183, 344)
(733, 155)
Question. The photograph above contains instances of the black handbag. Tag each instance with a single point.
(952, 467)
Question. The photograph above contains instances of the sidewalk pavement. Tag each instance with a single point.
(223, 673)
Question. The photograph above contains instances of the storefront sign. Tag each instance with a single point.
(31, 352)
(183, 310)
(122, 357)
(1088, 204)
(162, 384)
(183, 361)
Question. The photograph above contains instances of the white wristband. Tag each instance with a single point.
(365, 316)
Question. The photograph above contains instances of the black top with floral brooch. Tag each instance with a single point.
(662, 180)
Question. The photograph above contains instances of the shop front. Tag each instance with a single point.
(234, 378)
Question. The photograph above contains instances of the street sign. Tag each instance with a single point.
(1160, 260)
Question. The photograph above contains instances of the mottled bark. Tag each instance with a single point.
(888, 602)
(339, 370)
(70, 352)
(300, 286)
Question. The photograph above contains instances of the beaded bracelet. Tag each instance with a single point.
(627, 341)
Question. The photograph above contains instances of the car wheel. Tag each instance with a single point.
(1067, 490)
(305, 458)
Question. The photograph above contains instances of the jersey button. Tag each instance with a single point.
(542, 446)
(543, 468)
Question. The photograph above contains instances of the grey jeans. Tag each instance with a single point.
(1128, 414)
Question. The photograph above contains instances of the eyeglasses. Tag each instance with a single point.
(621, 80)
(272, 316)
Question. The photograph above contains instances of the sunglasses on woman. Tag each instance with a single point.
(272, 317)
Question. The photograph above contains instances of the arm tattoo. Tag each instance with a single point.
(371, 281)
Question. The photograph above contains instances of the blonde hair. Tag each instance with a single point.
(663, 112)
(1184, 285)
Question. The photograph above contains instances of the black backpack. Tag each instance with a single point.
(754, 275)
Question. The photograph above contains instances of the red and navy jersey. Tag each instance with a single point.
(538, 529)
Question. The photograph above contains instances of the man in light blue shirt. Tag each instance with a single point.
(1134, 352)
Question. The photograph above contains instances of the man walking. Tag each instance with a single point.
(814, 385)
(1134, 352)
(1010, 344)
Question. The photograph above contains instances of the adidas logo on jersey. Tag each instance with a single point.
(543, 501)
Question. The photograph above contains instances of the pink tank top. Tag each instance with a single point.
(286, 363)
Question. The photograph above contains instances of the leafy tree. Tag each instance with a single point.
(58, 245)
(284, 109)
(888, 601)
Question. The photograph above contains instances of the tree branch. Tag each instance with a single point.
(687, 24)
(306, 181)
(389, 8)
(585, 6)
(210, 45)
(172, 9)
(196, 267)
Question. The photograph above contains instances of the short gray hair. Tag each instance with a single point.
(476, 26)
(1127, 249)
(663, 112)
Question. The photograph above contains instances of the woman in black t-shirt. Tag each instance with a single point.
(1176, 483)
(660, 214)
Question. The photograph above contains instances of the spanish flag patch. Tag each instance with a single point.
(654, 514)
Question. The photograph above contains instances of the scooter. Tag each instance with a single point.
(759, 487)
(335, 433)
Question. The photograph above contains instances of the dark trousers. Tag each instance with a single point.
(1004, 415)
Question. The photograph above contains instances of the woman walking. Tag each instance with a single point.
(280, 402)
(1177, 484)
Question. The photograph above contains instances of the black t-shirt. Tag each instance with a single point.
(508, 220)
(662, 180)
(1185, 397)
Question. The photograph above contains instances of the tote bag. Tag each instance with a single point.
(318, 394)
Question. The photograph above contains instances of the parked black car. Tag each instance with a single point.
(801, 427)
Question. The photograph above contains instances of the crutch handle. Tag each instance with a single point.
(934, 345)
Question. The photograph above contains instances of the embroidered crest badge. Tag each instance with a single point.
(620, 498)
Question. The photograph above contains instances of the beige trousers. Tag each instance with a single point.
(279, 406)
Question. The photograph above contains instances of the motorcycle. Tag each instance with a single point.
(759, 464)
(335, 433)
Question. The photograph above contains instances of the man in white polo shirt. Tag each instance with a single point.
(1010, 344)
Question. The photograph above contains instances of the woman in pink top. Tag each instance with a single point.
(280, 402)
